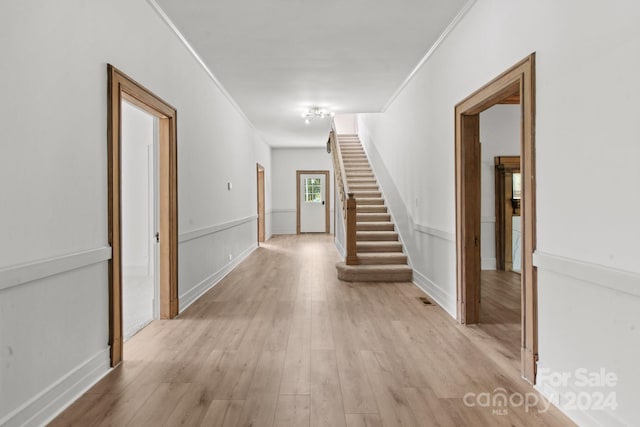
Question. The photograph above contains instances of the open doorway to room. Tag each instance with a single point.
(516, 84)
(500, 293)
(160, 216)
(261, 203)
(139, 212)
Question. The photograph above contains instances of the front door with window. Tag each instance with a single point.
(312, 202)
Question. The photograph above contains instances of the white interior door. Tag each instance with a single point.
(139, 218)
(312, 203)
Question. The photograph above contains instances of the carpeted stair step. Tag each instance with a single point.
(363, 187)
(356, 163)
(371, 209)
(362, 179)
(375, 226)
(374, 273)
(369, 201)
(366, 194)
(378, 246)
(362, 217)
(354, 168)
(376, 236)
(369, 258)
(356, 175)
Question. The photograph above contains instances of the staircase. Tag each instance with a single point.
(378, 249)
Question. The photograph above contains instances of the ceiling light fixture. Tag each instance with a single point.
(316, 112)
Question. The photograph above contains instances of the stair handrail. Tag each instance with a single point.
(347, 198)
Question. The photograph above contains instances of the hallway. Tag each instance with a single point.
(281, 342)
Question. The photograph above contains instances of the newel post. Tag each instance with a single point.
(352, 257)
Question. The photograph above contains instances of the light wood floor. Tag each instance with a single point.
(500, 310)
(281, 342)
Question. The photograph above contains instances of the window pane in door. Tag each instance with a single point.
(312, 190)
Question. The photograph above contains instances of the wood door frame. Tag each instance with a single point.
(327, 225)
(518, 79)
(504, 168)
(260, 202)
(121, 87)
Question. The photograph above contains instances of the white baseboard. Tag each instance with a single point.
(594, 418)
(46, 405)
(198, 290)
(439, 295)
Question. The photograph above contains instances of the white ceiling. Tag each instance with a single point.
(277, 57)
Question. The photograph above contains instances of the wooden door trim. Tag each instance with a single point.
(520, 77)
(260, 203)
(120, 87)
(327, 225)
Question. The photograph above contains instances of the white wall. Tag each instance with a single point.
(346, 123)
(586, 154)
(53, 315)
(285, 163)
(500, 136)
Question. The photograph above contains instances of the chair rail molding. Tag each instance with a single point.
(612, 278)
(35, 270)
(212, 229)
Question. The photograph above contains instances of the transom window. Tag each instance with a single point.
(312, 190)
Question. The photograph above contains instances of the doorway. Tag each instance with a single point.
(500, 293)
(121, 88)
(508, 201)
(520, 80)
(261, 207)
(139, 212)
(312, 202)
